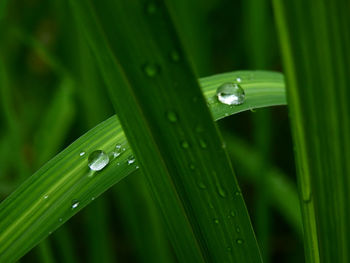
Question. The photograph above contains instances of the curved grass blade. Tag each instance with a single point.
(44, 202)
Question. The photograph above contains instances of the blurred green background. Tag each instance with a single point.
(48, 72)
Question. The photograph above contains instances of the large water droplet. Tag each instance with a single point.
(151, 70)
(75, 204)
(98, 160)
(131, 160)
(230, 94)
(172, 117)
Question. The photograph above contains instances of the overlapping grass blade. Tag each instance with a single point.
(66, 177)
(315, 42)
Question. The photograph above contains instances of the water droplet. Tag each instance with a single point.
(184, 144)
(131, 160)
(46, 196)
(192, 166)
(230, 94)
(238, 229)
(118, 150)
(237, 193)
(92, 198)
(151, 8)
(60, 219)
(75, 204)
(201, 185)
(238, 79)
(151, 70)
(223, 145)
(82, 153)
(229, 249)
(202, 143)
(172, 117)
(98, 160)
(137, 167)
(174, 55)
(216, 221)
(239, 241)
(232, 213)
(220, 190)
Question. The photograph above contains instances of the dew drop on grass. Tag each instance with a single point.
(131, 160)
(171, 116)
(216, 221)
(229, 249)
(151, 8)
(221, 191)
(82, 153)
(46, 196)
(98, 160)
(174, 55)
(201, 185)
(151, 70)
(232, 213)
(202, 144)
(192, 166)
(238, 229)
(184, 144)
(118, 150)
(239, 241)
(60, 219)
(230, 94)
(75, 204)
(238, 79)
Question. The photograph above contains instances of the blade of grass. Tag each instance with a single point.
(197, 231)
(314, 41)
(66, 177)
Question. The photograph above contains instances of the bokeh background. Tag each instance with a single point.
(48, 72)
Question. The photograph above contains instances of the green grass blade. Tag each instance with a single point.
(153, 85)
(26, 217)
(315, 42)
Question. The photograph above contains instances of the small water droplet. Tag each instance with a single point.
(75, 204)
(151, 70)
(237, 193)
(151, 8)
(175, 56)
(172, 117)
(223, 145)
(220, 190)
(230, 94)
(46, 196)
(98, 160)
(229, 249)
(202, 144)
(137, 167)
(238, 229)
(131, 160)
(238, 79)
(216, 221)
(201, 185)
(184, 144)
(92, 198)
(232, 213)
(60, 219)
(192, 166)
(118, 150)
(239, 241)
(82, 153)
